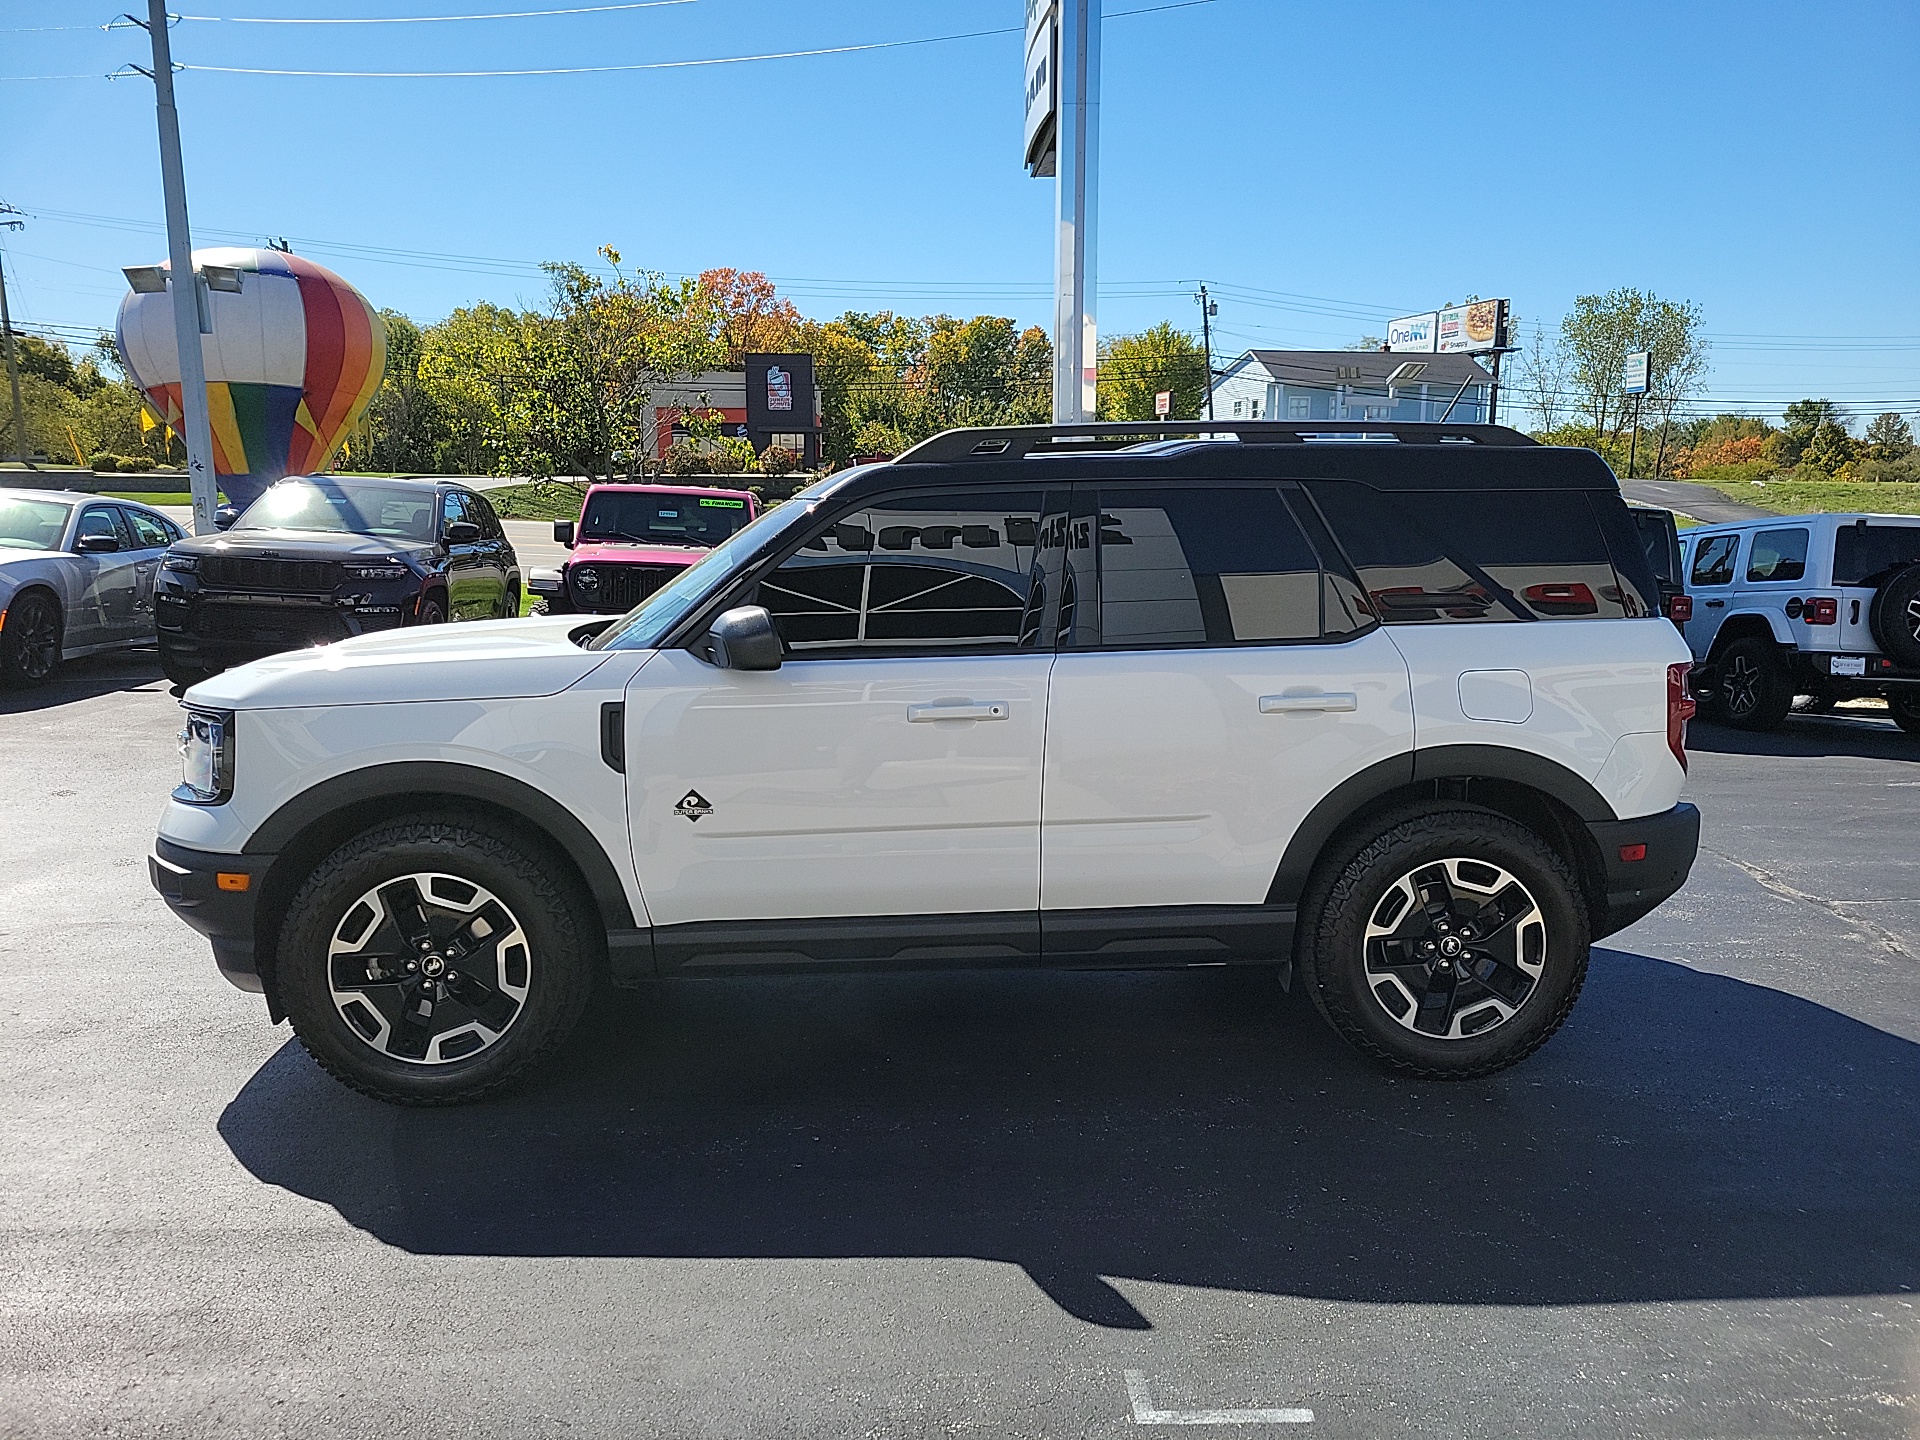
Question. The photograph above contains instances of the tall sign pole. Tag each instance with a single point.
(1062, 138)
(191, 314)
(7, 222)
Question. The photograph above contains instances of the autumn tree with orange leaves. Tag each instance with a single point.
(750, 316)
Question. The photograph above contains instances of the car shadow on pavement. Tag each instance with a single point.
(85, 679)
(1687, 1137)
(1867, 734)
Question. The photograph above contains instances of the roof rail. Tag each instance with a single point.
(1015, 442)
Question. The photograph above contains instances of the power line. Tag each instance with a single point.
(430, 19)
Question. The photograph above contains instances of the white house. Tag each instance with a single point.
(1348, 385)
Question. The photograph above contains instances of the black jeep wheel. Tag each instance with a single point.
(181, 672)
(433, 611)
(1905, 707)
(1449, 945)
(436, 961)
(1756, 692)
(30, 639)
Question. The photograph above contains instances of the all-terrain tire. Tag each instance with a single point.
(1342, 963)
(1756, 688)
(470, 879)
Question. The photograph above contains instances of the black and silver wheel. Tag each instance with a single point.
(434, 962)
(1755, 690)
(1453, 944)
(30, 639)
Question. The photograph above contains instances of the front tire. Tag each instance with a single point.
(432, 611)
(436, 961)
(1905, 709)
(30, 640)
(1756, 692)
(1450, 945)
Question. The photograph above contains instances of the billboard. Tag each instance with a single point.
(1634, 373)
(780, 401)
(1043, 87)
(1471, 329)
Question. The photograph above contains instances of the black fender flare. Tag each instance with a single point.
(1439, 762)
(445, 779)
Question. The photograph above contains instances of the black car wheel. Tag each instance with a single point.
(181, 672)
(1905, 706)
(435, 961)
(1756, 691)
(1450, 945)
(432, 612)
(30, 639)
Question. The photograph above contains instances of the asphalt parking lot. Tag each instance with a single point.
(974, 1204)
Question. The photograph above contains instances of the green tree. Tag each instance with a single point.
(1829, 448)
(1596, 338)
(1889, 437)
(1135, 368)
(1798, 424)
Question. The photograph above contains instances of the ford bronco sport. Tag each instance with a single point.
(1395, 715)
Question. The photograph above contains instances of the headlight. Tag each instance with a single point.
(206, 755)
(186, 564)
(377, 572)
(587, 578)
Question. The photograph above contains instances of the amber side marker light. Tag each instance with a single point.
(229, 880)
(1628, 853)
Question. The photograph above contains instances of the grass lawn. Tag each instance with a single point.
(555, 500)
(1804, 497)
(151, 497)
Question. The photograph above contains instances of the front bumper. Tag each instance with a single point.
(1666, 845)
(230, 628)
(192, 884)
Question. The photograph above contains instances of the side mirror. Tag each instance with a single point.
(224, 517)
(96, 544)
(463, 532)
(563, 532)
(744, 639)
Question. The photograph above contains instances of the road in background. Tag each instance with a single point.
(972, 1203)
(1702, 502)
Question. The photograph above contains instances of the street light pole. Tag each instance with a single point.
(191, 314)
(13, 362)
(1076, 345)
(1207, 307)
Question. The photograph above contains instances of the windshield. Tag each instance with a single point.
(32, 524)
(648, 623)
(689, 519)
(352, 507)
(1864, 554)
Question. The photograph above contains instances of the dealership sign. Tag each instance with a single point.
(1043, 86)
(1471, 329)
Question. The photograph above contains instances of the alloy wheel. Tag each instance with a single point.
(1742, 686)
(429, 968)
(35, 632)
(1454, 948)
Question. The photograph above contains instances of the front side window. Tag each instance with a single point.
(946, 573)
(1778, 555)
(349, 507)
(1713, 560)
(643, 518)
(1186, 565)
(453, 510)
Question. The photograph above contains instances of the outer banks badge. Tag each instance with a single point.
(693, 805)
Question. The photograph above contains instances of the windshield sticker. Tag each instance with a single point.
(725, 504)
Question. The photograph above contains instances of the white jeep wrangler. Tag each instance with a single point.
(1822, 606)
(1399, 712)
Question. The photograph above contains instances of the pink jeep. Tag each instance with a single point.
(632, 539)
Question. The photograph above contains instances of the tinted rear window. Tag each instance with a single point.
(1867, 554)
(1487, 555)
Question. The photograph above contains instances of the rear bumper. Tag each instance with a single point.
(189, 881)
(1635, 887)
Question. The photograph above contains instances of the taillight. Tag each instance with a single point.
(1822, 610)
(1680, 708)
(1680, 608)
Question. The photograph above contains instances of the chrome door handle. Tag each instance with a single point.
(1306, 704)
(960, 710)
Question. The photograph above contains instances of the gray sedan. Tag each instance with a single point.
(76, 577)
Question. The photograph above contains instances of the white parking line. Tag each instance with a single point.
(1145, 1414)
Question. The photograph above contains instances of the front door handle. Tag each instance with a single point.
(1715, 604)
(960, 710)
(1306, 704)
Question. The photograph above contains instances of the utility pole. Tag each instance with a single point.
(1207, 311)
(8, 222)
(192, 316)
(1076, 344)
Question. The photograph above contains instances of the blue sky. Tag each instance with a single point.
(1324, 165)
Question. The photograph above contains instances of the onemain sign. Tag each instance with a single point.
(1471, 329)
(1041, 131)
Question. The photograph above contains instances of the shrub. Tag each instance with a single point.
(778, 460)
(683, 460)
(1905, 470)
(103, 463)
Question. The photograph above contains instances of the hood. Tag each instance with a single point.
(475, 660)
(626, 552)
(302, 545)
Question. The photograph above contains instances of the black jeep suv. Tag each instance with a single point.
(319, 558)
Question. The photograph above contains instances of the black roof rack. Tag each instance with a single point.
(1015, 442)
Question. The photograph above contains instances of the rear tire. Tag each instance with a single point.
(1905, 710)
(30, 640)
(1756, 692)
(436, 961)
(1449, 945)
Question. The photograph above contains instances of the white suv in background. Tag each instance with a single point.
(1397, 712)
(1825, 606)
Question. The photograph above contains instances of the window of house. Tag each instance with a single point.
(1239, 407)
(947, 573)
(1299, 407)
(1778, 555)
(1379, 412)
(1713, 561)
(1185, 565)
(794, 441)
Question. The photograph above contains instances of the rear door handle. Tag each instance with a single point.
(960, 710)
(1305, 704)
(1715, 604)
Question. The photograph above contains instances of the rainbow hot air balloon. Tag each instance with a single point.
(293, 361)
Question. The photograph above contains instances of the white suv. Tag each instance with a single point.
(1825, 606)
(1397, 711)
